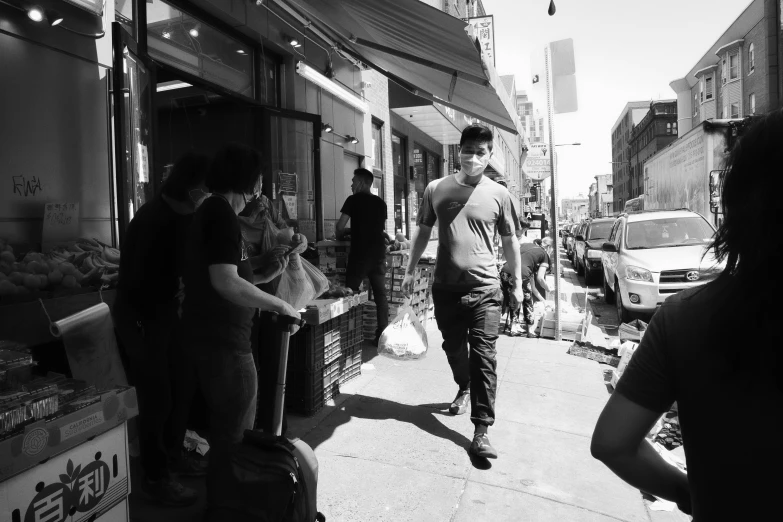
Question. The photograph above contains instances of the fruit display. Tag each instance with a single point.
(336, 291)
(78, 264)
(400, 242)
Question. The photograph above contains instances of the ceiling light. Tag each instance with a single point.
(35, 14)
(54, 17)
(169, 86)
(194, 32)
(293, 42)
(240, 51)
(333, 88)
(327, 128)
(166, 35)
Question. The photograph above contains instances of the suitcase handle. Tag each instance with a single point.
(284, 321)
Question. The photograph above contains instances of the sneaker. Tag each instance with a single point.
(169, 492)
(480, 447)
(460, 403)
(189, 464)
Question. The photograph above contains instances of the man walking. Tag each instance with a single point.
(468, 207)
(367, 257)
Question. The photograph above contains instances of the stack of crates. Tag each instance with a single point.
(421, 298)
(321, 358)
(333, 260)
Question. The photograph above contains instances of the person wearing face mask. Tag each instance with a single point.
(468, 208)
(221, 298)
(367, 257)
(146, 320)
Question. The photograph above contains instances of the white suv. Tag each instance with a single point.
(653, 254)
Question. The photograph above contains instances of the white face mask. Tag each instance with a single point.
(473, 165)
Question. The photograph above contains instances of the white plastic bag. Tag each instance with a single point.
(317, 278)
(405, 337)
(295, 287)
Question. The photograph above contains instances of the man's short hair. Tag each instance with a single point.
(236, 168)
(364, 175)
(477, 133)
(188, 172)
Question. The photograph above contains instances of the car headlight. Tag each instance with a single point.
(593, 254)
(638, 274)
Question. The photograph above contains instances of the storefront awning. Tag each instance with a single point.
(423, 49)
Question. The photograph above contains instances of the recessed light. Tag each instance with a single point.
(293, 42)
(166, 35)
(35, 14)
(328, 128)
(193, 32)
(240, 51)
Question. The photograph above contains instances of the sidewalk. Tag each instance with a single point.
(389, 450)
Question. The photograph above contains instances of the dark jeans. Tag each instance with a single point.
(375, 270)
(471, 318)
(147, 347)
(230, 385)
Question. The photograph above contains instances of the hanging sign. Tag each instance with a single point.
(290, 205)
(287, 182)
(484, 32)
(60, 222)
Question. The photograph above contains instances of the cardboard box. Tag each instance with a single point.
(44, 439)
(594, 355)
(92, 477)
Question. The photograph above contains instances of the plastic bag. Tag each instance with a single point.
(405, 337)
(295, 287)
(319, 280)
(261, 232)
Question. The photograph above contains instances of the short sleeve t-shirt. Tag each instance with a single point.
(467, 217)
(368, 223)
(703, 350)
(532, 256)
(215, 238)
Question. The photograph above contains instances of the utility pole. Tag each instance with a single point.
(555, 191)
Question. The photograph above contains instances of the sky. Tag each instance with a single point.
(625, 50)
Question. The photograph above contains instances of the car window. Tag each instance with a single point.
(619, 235)
(613, 233)
(600, 230)
(668, 232)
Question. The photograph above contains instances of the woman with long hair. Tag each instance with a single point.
(712, 350)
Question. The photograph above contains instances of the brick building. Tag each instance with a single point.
(655, 131)
(632, 113)
(739, 74)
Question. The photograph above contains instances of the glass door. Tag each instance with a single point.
(133, 84)
(290, 142)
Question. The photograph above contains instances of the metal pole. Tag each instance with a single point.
(555, 192)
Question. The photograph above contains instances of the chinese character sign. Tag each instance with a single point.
(484, 31)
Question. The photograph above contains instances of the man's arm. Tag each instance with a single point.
(514, 263)
(339, 228)
(541, 278)
(227, 283)
(420, 241)
(619, 442)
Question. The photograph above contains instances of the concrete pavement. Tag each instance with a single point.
(389, 450)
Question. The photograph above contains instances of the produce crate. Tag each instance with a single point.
(308, 391)
(351, 363)
(316, 345)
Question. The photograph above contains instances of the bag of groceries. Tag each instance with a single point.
(405, 337)
(319, 280)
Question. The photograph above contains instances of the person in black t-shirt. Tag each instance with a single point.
(711, 350)
(146, 318)
(534, 262)
(367, 257)
(221, 299)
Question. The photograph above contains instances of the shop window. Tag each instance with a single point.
(178, 39)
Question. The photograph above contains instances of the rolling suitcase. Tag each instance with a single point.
(269, 478)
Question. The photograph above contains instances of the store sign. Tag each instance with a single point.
(484, 32)
(290, 205)
(287, 182)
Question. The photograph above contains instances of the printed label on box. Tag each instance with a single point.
(81, 425)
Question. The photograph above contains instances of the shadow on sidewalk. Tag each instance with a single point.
(422, 416)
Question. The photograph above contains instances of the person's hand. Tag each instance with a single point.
(287, 309)
(407, 285)
(299, 248)
(517, 296)
(273, 269)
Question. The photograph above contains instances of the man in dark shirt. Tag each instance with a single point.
(146, 319)
(534, 262)
(367, 257)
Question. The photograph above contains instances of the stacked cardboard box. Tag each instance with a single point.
(333, 260)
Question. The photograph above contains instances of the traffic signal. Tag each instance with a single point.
(534, 194)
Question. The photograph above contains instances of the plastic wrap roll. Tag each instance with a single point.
(91, 347)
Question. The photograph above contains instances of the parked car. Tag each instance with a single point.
(578, 230)
(653, 254)
(589, 242)
(569, 240)
(565, 232)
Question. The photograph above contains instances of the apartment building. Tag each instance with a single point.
(631, 115)
(657, 129)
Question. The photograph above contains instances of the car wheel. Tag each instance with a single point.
(622, 314)
(609, 296)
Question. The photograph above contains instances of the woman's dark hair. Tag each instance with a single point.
(188, 172)
(751, 192)
(235, 168)
(477, 133)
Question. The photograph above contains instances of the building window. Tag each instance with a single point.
(708, 88)
(723, 72)
(695, 105)
(735, 110)
(752, 58)
(752, 104)
(674, 128)
(668, 128)
(733, 66)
